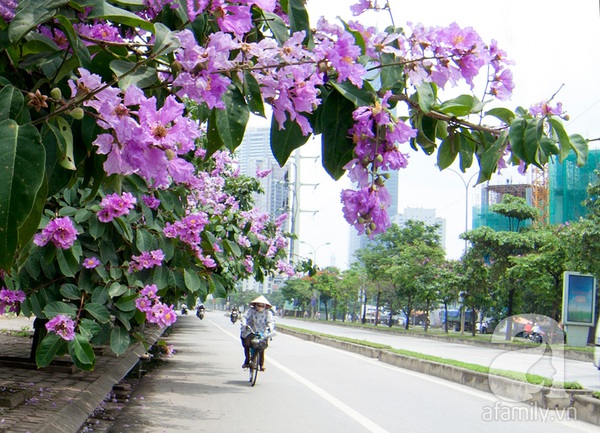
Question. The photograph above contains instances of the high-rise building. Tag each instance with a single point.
(426, 216)
(254, 154)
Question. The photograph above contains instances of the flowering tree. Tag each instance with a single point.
(114, 115)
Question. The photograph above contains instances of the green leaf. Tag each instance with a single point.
(132, 74)
(358, 97)
(164, 40)
(144, 241)
(53, 309)
(338, 147)
(426, 96)
(82, 353)
(253, 95)
(231, 122)
(277, 27)
(489, 160)
(88, 328)
(65, 143)
(127, 302)
(28, 229)
(116, 289)
(447, 152)
(460, 106)
(503, 114)
(98, 311)
(75, 43)
(232, 247)
(119, 340)
(299, 21)
(70, 291)
(100, 295)
(192, 281)
(30, 14)
(11, 103)
(101, 9)
(22, 159)
(69, 266)
(516, 136)
(285, 140)
(580, 147)
(392, 75)
(217, 286)
(49, 347)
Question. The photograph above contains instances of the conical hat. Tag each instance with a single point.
(261, 300)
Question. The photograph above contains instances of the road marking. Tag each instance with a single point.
(356, 416)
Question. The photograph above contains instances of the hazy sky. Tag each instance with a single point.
(552, 42)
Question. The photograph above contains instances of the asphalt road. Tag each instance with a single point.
(310, 388)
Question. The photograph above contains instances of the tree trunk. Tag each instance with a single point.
(377, 307)
(446, 317)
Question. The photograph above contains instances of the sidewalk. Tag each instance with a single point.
(55, 400)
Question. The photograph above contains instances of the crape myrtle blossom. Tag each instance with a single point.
(91, 262)
(115, 205)
(148, 141)
(544, 109)
(156, 312)
(151, 202)
(7, 9)
(11, 300)
(59, 231)
(63, 326)
(146, 260)
(376, 134)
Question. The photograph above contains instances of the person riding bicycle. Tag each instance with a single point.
(258, 318)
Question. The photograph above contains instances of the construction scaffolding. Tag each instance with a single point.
(493, 194)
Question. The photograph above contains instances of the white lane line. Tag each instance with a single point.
(356, 416)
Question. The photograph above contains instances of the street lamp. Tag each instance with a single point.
(314, 250)
(466, 184)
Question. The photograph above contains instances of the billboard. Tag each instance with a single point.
(579, 299)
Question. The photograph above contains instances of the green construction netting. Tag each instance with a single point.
(567, 187)
(566, 190)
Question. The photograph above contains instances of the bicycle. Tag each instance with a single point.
(258, 344)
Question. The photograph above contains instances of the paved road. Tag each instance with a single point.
(531, 360)
(309, 388)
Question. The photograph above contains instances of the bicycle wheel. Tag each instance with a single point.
(254, 366)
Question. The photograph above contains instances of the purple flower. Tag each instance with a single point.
(59, 231)
(91, 262)
(10, 299)
(114, 205)
(150, 201)
(360, 7)
(146, 260)
(63, 326)
(7, 9)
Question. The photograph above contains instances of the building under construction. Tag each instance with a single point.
(557, 191)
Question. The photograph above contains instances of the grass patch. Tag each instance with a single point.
(533, 379)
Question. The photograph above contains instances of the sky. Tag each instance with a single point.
(554, 45)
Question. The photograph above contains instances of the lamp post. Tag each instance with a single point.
(314, 250)
(466, 184)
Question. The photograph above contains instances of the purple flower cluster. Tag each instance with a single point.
(146, 260)
(544, 109)
(59, 231)
(10, 299)
(115, 205)
(188, 230)
(376, 134)
(156, 312)
(151, 201)
(63, 326)
(7, 9)
(148, 141)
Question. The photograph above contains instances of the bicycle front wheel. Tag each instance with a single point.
(254, 367)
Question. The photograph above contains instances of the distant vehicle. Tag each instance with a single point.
(454, 320)
(547, 334)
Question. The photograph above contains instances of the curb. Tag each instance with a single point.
(585, 407)
(70, 418)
